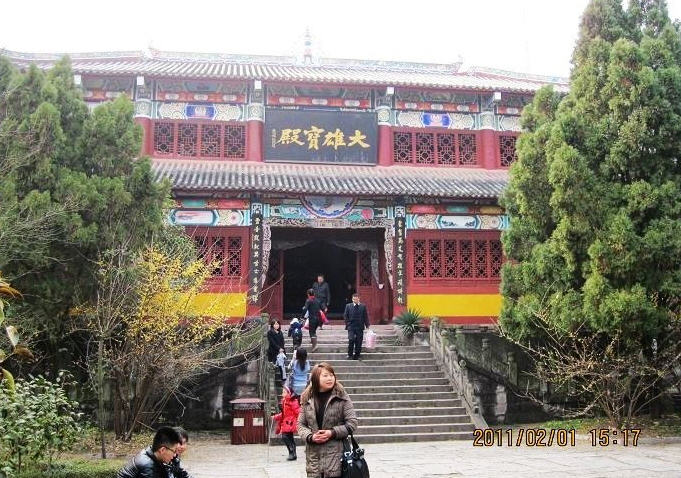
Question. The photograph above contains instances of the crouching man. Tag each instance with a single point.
(152, 462)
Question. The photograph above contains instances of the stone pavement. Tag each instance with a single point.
(217, 458)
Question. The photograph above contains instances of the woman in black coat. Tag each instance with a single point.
(276, 339)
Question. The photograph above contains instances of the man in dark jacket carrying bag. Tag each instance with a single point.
(322, 292)
(152, 462)
(356, 318)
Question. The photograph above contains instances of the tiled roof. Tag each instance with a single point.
(277, 68)
(223, 176)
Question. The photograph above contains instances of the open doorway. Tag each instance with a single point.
(352, 260)
(302, 266)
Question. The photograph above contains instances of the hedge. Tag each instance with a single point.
(77, 469)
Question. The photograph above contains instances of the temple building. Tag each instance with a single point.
(383, 176)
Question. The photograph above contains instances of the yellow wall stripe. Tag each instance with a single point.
(455, 305)
(213, 304)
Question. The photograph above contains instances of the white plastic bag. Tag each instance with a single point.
(371, 339)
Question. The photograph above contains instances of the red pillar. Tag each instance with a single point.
(488, 143)
(253, 310)
(398, 309)
(147, 137)
(385, 146)
(254, 140)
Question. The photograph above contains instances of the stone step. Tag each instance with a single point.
(408, 403)
(343, 348)
(340, 339)
(412, 420)
(340, 324)
(340, 332)
(411, 411)
(371, 355)
(339, 327)
(340, 344)
(397, 396)
(411, 437)
(373, 362)
(351, 373)
(358, 366)
(395, 390)
(415, 428)
(366, 413)
(394, 382)
(399, 392)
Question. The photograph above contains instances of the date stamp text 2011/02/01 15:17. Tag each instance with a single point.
(552, 436)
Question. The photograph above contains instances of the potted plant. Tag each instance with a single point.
(409, 322)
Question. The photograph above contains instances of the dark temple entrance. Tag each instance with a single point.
(302, 266)
(352, 260)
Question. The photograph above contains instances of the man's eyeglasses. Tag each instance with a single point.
(171, 449)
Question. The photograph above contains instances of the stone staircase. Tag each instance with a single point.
(398, 391)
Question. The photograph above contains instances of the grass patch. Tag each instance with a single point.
(666, 426)
(90, 445)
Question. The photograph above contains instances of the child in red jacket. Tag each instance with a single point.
(287, 421)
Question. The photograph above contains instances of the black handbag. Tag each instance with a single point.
(353, 464)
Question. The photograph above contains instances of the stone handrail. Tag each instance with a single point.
(457, 373)
(266, 377)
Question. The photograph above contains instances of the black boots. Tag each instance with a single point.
(290, 443)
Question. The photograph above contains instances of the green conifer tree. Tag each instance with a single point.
(76, 178)
(595, 196)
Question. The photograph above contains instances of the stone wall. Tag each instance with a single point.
(210, 408)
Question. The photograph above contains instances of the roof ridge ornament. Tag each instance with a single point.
(307, 51)
(148, 52)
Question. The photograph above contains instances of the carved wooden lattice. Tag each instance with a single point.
(466, 259)
(187, 139)
(445, 149)
(451, 260)
(200, 140)
(468, 154)
(222, 249)
(234, 257)
(164, 138)
(496, 258)
(210, 140)
(365, 268)
(419, 255)
(402, 148)
(201, 249)
(481, 259)
(217, 253)
(457, 258)
(507, 150)
(425, 148)
(235, 142)
(434, 258)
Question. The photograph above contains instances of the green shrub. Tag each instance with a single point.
(38, 421)
(409, 322)
(76, 469)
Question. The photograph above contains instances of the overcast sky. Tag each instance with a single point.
(534, 36)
